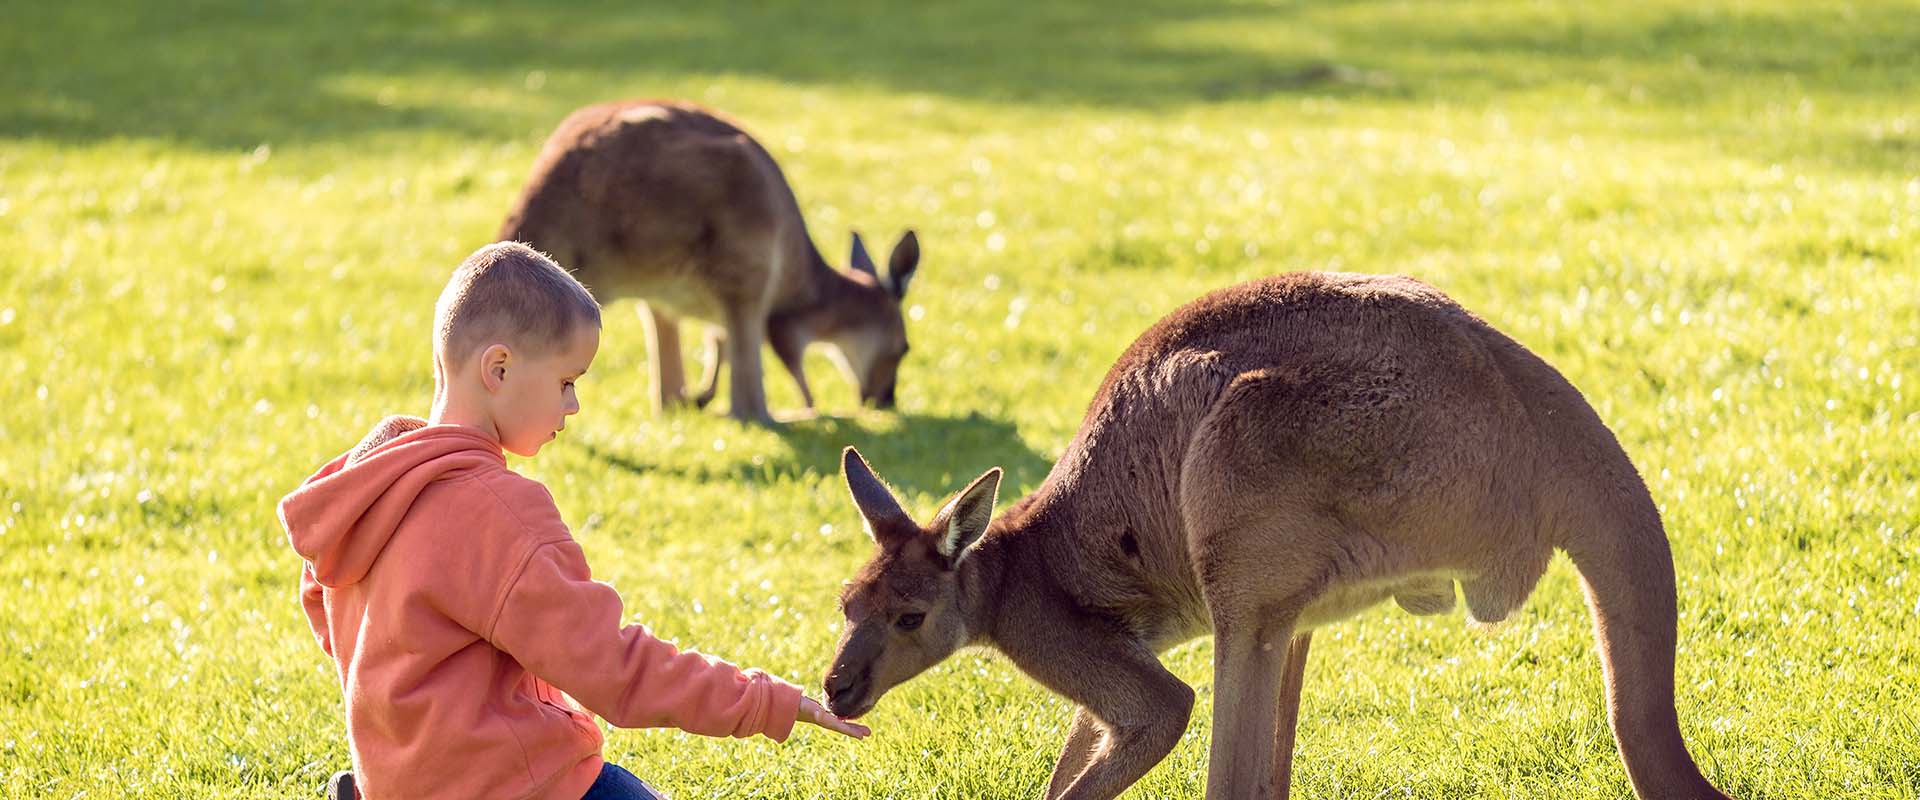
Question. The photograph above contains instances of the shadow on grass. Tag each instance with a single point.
(925, 454)
(227, 74)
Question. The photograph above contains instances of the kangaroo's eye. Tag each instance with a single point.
(908, 622)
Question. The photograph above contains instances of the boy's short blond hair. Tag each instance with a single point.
(507, 292)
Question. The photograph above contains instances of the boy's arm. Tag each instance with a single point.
(314, 602)
(564, 627)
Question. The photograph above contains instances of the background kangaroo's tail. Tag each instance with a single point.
(1626, 569)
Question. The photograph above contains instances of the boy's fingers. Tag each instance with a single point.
(853, 729)
(817, 714)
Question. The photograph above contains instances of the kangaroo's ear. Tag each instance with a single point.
(965, 518)
(876, 503)
(859, 260)
(903, 262)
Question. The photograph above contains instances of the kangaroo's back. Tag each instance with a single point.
(1307, 390)
(1445, 450)
(639, 196)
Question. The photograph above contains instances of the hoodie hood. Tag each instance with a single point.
(340, 519)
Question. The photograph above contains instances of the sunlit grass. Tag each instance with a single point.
(222, 227)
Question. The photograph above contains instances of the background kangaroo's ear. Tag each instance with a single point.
(965, 518)
(859, 260)
(903, 262)
(876, 503)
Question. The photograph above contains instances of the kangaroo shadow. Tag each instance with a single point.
(924, 454)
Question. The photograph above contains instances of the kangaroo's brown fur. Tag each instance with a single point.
(677, 205)
(1273, 457)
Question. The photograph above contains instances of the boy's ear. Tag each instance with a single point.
(493, 366)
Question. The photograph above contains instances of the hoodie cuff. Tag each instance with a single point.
(783, 707)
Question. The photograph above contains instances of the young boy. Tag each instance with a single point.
(470, 637)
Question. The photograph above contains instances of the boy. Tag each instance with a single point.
(467, 630)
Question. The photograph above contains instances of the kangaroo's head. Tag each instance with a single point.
(871, 337)
(903, 609)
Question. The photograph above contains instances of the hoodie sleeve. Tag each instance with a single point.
(564, 627)
(313, 600)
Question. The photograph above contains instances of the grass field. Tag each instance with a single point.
(223, 225)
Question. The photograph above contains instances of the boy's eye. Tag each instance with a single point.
(908, 622)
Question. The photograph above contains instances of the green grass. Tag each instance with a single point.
(222, 227)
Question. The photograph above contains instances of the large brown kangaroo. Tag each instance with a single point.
(677, 205)
(1270, 458)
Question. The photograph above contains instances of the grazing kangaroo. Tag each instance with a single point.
(675, 204)
(1271, 458)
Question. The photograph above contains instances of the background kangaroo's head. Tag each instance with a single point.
(903, 608)
(871, 337)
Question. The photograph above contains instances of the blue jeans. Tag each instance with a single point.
(615, 783)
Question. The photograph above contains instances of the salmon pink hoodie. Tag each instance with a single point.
(469, 634)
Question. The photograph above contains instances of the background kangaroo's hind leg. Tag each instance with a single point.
(716, 357)
(746, 332)
(792, 354)
(663, 348)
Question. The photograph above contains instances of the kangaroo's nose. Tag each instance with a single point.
(842, 689)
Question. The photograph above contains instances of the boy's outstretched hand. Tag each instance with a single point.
(812, 711)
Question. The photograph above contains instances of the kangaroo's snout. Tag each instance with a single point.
(845, 690)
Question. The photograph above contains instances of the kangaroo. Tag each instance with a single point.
(1271, 458)
(676, 205)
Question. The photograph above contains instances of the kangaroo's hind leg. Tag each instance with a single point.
(745, 334)
(716, 358)
(1265, 545)
(743, 309)
(1259, 573)
(1292, 677)
(1257, 583)
(663, 346)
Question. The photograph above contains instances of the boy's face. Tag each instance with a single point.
(536, 394)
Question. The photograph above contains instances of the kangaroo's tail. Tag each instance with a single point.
(1626, 569)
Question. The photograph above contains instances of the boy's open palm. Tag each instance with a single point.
(812, 711)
